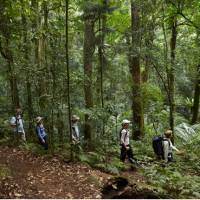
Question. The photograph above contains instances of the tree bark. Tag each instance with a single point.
(102, 59)
(28, 77)
(195, 108)
(7, 54)
(68, 73)
(134, 62)
(89, 47)
(171, 80)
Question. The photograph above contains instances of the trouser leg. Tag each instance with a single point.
(46, 143)
(123, 154)
(170, 157)
(23, 137)
(130, 154)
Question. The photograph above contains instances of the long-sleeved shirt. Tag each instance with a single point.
(168, 147)
(17, 122)
(75, 132)
(41, 131)
(124, 137)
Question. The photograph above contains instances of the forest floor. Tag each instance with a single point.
(24, 175)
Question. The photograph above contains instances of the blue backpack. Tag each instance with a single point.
(158, 146)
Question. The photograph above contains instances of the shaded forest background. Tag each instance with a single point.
(105, 60)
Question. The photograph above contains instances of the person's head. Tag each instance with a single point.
(75, 118)
(39, 120)
(168, 133)
(18, 111)
(125, 123)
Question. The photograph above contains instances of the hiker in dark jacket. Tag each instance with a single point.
(126, 149)
(40, 130)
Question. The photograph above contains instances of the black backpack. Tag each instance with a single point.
(158, 146)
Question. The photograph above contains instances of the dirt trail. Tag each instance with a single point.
(37, 177)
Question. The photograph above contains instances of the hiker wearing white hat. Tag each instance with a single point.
(75, 129)
(16, 123)
(41, 133)
(126, 149)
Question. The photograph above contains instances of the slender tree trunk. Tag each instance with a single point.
(102, 61)
(195, 108)
(89, 46)
(137, 107)
(171, 81)
(68, 72)
(7, 54)
(12, 77)
(28, 77)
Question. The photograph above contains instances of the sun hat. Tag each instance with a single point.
(75, 118)
(126, 121)
(38, 119)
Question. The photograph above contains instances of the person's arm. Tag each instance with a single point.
(39, 134)
(22, 126)
(166, 150)
(74, 138)
(123, 135)
(173, 147)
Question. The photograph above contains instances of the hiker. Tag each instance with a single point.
(16, 123)
(75, 129)
(40, 130)
(126, 149)
(168, 147)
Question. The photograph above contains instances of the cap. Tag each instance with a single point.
(75, 118)
(125, 121)
(38, 119)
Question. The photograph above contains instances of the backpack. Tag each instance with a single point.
(158, 146)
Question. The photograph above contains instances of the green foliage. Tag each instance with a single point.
(33, 148)
(171, 181)
(152, 97)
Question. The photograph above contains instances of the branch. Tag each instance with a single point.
(179, 12)
(162, 79)
(187, 19)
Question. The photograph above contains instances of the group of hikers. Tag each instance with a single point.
(17, 125)
(162, 145)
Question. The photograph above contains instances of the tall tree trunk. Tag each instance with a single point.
(68, 73)
(171, 81)
(28, 77)
(89, 47)
(40, 52)
(7, 53)
(195, 108)
(11, 75)
(137, 107)
(102, 61)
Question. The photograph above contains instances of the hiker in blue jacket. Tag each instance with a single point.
(40, 130)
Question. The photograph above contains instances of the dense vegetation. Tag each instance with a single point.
(106, 60)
